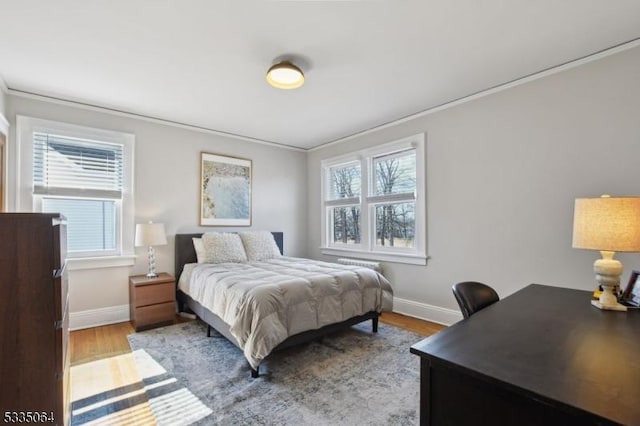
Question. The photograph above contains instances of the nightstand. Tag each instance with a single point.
(152, 301)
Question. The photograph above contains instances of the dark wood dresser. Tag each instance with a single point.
(34, 321)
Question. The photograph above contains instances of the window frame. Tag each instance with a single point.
(330, 204)
(26, 200)
(367, 202)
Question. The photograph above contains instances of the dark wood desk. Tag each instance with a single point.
(542, 356)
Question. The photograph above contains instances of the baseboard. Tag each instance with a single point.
(115, 314)
(98, 317)
(426, 312)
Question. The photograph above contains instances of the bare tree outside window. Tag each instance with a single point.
(346, 227)
(345, 183)
(395, 222)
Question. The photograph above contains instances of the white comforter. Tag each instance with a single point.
(266, 302)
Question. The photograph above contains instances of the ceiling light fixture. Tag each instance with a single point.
(285, 75)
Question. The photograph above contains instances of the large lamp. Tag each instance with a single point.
(607, 224)
(149, 235)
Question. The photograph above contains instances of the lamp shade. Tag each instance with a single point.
(607, 224)
(150, 234)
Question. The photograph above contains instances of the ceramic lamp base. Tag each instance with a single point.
(612, 307)
(608, 271)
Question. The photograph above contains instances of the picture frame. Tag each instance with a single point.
(631, 294)
(225, 190)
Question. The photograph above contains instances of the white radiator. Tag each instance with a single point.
(364, 263)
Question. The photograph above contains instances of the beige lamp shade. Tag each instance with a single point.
(607, 224)
(150, 234)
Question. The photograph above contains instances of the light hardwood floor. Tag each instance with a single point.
(96, 343)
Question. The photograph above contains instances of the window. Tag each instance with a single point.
(374, 203)
(344, 202)
(91, 224)
(85, 174)
(81, 179)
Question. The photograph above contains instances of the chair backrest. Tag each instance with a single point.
(473, 296)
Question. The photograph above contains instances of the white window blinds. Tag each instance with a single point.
(64, 166)
(91, 224)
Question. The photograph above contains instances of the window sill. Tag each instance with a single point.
(411, 259)
(80, 263)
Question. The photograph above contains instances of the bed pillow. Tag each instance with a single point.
(198, 245)
(259, 245)
(223, 247)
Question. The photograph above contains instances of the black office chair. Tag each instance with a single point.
(473, 296)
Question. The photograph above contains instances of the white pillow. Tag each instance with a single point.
(222, 247)
(198, 245)
(259, 245)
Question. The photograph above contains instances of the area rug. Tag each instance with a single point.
(353, 377)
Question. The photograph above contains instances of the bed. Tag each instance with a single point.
(340, 296)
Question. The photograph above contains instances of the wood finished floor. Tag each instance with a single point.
(96, 343)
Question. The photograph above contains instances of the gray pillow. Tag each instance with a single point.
(223, 247)
(259, 245)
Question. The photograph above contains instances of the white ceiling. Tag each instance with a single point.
(202, 62)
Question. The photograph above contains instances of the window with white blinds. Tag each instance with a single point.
(86, 174)
(83, 180)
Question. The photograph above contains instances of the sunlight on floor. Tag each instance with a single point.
(131, 389)
(134, 416)
(171, 403)
(112, 389)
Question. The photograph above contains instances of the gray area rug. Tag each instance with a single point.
(353, 377)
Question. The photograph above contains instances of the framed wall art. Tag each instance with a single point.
(225, 190)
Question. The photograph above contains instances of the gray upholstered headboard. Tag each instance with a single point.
(185, 253)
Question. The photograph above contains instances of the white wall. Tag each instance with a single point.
(3, 101)
(502, 175)
(4, 123)
(167, 173)
(3, 97)
(4, 132)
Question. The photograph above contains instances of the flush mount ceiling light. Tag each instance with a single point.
(285, 75)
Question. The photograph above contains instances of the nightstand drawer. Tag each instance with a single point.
(155, 293)
(154, 315)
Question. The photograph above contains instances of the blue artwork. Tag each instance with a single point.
(225, 191)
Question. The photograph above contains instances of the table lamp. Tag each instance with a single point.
(608, 224)
(149, 235)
